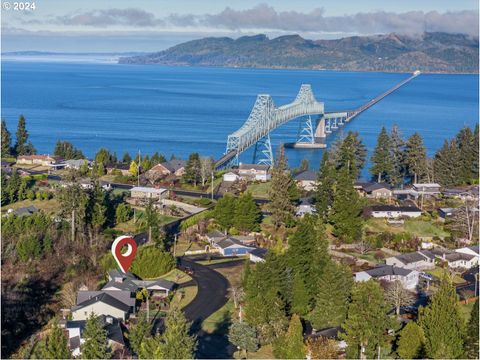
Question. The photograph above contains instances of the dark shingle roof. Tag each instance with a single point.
(458, 256)
(29, 210)
(307, 175)
(395, 208)
(253, 166)
(387, 270)
(225, 243)
(121, 295)
(411, 257)
(174, 165)
(376, 186)
(259, 252)
(106, 299)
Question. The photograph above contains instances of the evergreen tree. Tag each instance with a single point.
(331, 300)
(56, 344)
(346, 209)
(367, 320)
(127, 159)
(243, 336)
(67, 151)
(442, 323)
(21, 137)
(192, 169)
(96, 342)
(466, 142)
(308, 254)
(247, 214)
(123, 213)
(445, 164)
(397, 147)
(6, 140)
(476, 146)
(382, 162)
(471, 334)
(133, 170)
(140, 331)
(350, 153)
(157, 159)
(177, 343)
(300, 299)
(281, 206)
(410, 343)
(415, 157)
(290, 345)
(325, 184)
(224, 212)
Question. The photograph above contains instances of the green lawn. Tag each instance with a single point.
(177, 276)
(184, 296)
(421, 228)
(49, 206)
(219, 261)
(259, 190)
(369, 256)
(466, 309)
(438, 272)
(214, 321)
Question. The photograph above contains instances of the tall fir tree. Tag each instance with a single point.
(247, 213)
(22, 145)
(331, 301)
(281, 206)
(300, 297)
(192, 169)
(224, 212)
(471, 334)
(138, 332)
(476, 146)
(291, 345)
(96, 342)
(177, 343)
(445, 164)
(410, 342)
(397, 147)
(56, 344)
(350, 153)
(324, 190)
(367, 321)
(415, 158)
(382, 162)
(6, 140)
(442, 323)
(244, 337)
(346, 209)
(466, 142)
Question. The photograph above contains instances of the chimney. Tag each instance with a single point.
(109, 320)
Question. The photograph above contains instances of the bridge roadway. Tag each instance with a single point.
(305, 97)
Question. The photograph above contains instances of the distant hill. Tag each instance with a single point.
(430, 52)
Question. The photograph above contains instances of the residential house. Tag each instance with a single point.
(428, 189)
(124, 169)
(232, 247)
(44, 160)
(125, 296)
(460, 260)
(374, 190)
(392, 211)
(446, 213)
(215, 236)
(390, 273)
(144, 193)
(471, 250)
(248, 240)
(119, 281)
(254, 172)
(76, 329)
(419, 260)
(103, 304)
(230, 177)
(306, 180)
(28, 210)
(175, 167)
(77, 163)
(258, 255)
(305, 207)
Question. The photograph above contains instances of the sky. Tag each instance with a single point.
(152, 25)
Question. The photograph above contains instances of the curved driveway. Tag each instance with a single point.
(211, 295)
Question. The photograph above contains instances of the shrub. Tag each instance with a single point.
(29, 248)
(152, 262)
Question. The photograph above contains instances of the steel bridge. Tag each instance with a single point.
(266, 117)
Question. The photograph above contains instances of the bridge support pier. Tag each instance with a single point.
(263, 154)
(305, 133)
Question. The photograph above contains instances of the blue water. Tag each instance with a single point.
(179, 110)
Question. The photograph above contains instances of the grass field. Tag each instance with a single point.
(420, 228)
(219, 261)
(177, 276)
(49, 206)
(213, 322)
(189, 294)
(259, 190)
(438, 272)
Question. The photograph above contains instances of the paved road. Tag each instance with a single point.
(212, 292)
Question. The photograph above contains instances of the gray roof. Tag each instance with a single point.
(123, 296)
(216, 234)
(253, 166)
(106, 299)
(395, 208)
(459, 256)
(259, 252)
(166, 284)
(28, 210)
(174, 165)
(411, 257)
(475, 248)
(114, 330)
(230, 241)
(387, 270)
(376, 186)
(307, 175)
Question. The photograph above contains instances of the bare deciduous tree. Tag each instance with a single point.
(398, 296)
(206, 168)
(236, 294)
(465, 221)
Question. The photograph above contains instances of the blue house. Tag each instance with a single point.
(232, 247)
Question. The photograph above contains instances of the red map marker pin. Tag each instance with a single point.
(124, 260)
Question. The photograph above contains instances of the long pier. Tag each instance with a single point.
(266, 117)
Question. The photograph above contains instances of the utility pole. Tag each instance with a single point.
(138, 168)
(175, 245)
(212, 185)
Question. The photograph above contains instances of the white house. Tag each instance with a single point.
(304, 208)
(419, 260)
(102, 304)
(232, 247)
(391, 211)
(306, 180)
(254, 172)
(459, 260)
(427, 188)
(142, 192)
(230, 177)
(407, 277)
